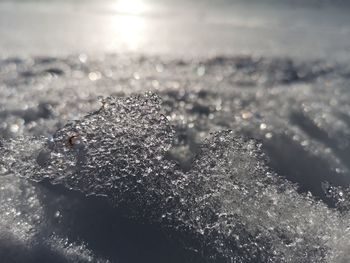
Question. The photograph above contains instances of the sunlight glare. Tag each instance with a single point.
(131, 7)
(129, 32)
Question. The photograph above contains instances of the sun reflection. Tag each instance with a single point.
(131, 7)
(129, 27)
(128, 32)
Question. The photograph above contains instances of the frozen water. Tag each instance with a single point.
(26, 234)
(111, 152)
(261, 217)
(222, 200)
(228, 206)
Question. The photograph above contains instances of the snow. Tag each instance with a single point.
(256, 193)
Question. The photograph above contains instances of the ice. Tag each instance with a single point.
(297, 110)
(26, 234)
(227, 206)
(260, 217)
(119, 145)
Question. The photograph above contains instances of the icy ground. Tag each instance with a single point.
(159, 187)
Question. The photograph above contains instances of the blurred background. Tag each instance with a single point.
(298, 28)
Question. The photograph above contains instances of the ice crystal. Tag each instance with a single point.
(228, 206)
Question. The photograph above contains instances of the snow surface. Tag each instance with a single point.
(148, 162)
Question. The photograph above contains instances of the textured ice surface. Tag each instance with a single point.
(26, 233)
(298, 110)
(229, 206)
(112, 152)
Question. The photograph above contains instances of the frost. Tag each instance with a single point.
(214, 202)
(228, 206)
(72, 252)
(17, 155)
(248, 214)
(25, 230)
(112, 152)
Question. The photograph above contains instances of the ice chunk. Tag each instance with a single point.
(229, 206)
(115, 151)
(245, 213)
